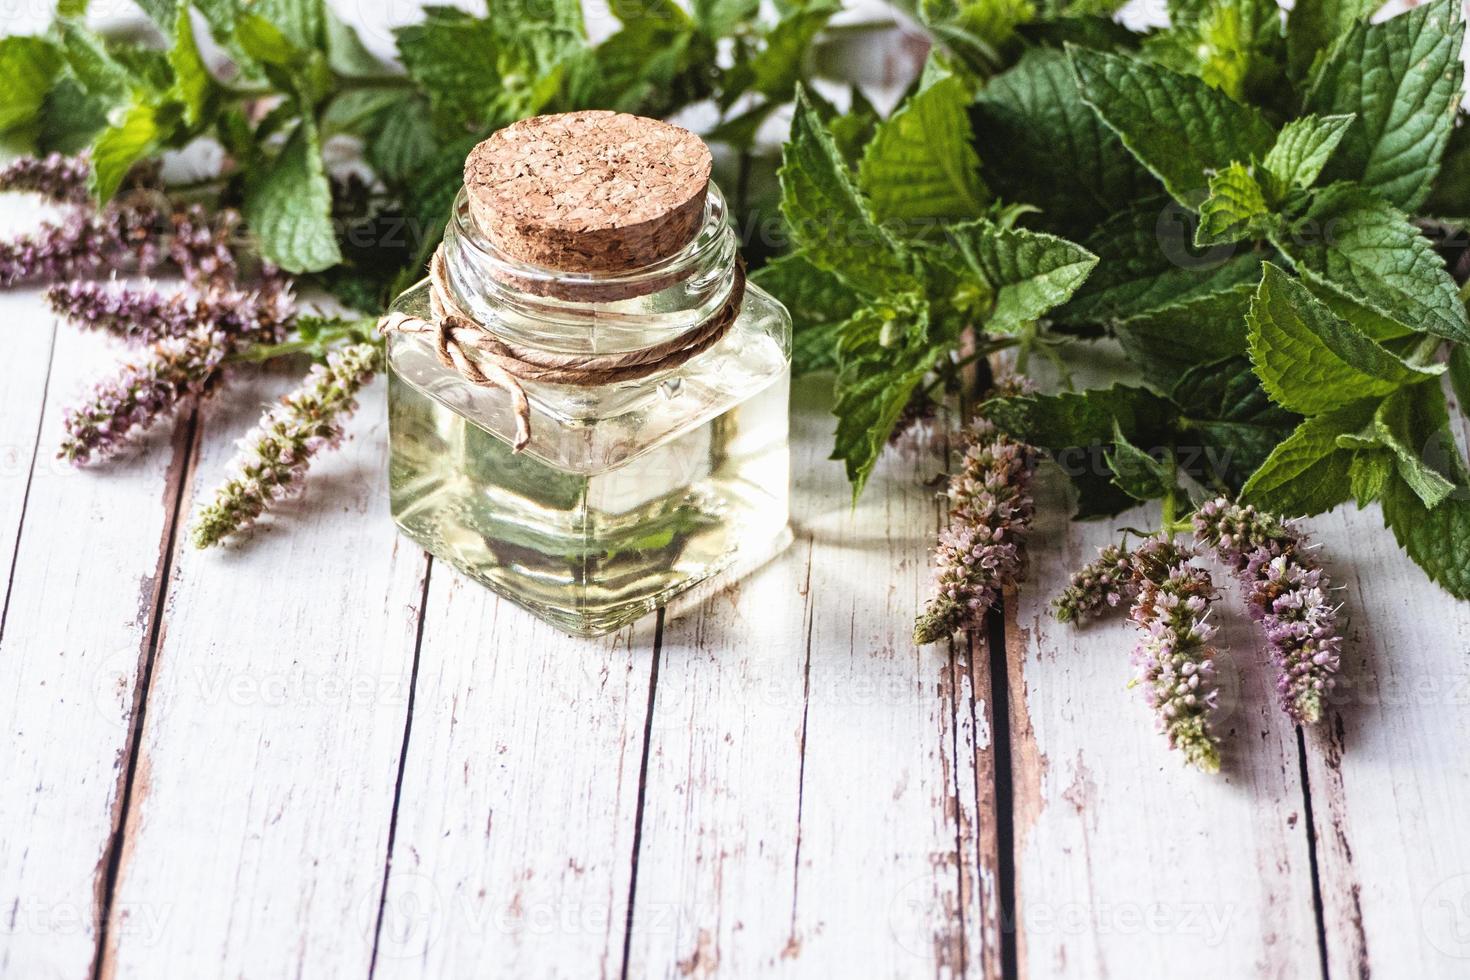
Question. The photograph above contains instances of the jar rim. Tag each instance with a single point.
(635, 281)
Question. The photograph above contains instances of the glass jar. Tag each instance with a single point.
(628, 494)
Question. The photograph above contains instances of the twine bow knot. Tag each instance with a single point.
(482, 358)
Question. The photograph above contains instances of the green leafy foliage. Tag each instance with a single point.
(819, 304)
(1027, 273)
(1040, 143)
(1147, 261)
(1402, 81)
(289, 207)
(28, 65)
(1308, 472)
(1312, 26)
(828, 217)
(1370, 260)
(1301, 151)
(1311, 361)
(1235, 209)
(920, 164)
(1177, 126)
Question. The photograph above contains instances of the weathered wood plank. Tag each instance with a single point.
(1390, 770)
(513, 850)
(1127, 863)
(77, 636)
(811, 806)
(23, 375)
(259, 816)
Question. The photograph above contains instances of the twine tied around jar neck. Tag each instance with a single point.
(482, 358)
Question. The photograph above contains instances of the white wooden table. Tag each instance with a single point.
(321, 754)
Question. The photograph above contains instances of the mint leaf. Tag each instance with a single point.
(1081, 418)
(1402, 79)
(406, 141)
(819, 304)
(1308, 473)
(264, 41)
(776, 67)
(884, 353)
(1303, 149)
(1311, 361)
(1368, 475)
(920, 164)
(828, 219)
(1224, 408)
(1413, 423)
(718, 18)
(193, 84)
(1176, 125)
(1312, 26)
(28, 65)
(289, 207)
(1040, 143)
(486, 72)
(1135, 472)
(1078, 429)
(303, 22)
(1028, 272)
(100, 74)
(1168, 341)
(1366, 253)
(1148, 261)
(1437, 539)
(1235, 209)
(70, 119)
(1235, 46)
(135, 136)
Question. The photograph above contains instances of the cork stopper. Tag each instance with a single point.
(589, 191)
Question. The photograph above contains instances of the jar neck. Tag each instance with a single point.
(584, 312)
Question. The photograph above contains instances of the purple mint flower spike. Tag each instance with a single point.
(143, 393)
(1097, 587)
(201, 245)
(124, 238)
(147, 314)
(1287, 593)
(275, 456)
(174, 368)
(62, 179)
(981, 552)
(1173, 658)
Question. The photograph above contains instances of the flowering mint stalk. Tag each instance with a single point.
(149, 390)
(1174, 659)
(201, 245)
(58, 178)
(1097, 587)
(276, 454)
(1286, 591)
(143, 393)
(121, 238)
(981, 551)
(147, 314)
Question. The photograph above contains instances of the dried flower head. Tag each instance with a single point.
(1097, 587)
(980, 553)
(1174, 659)
(275, 455)
(1287, 593)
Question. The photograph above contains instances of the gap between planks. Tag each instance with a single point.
(185, 446)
